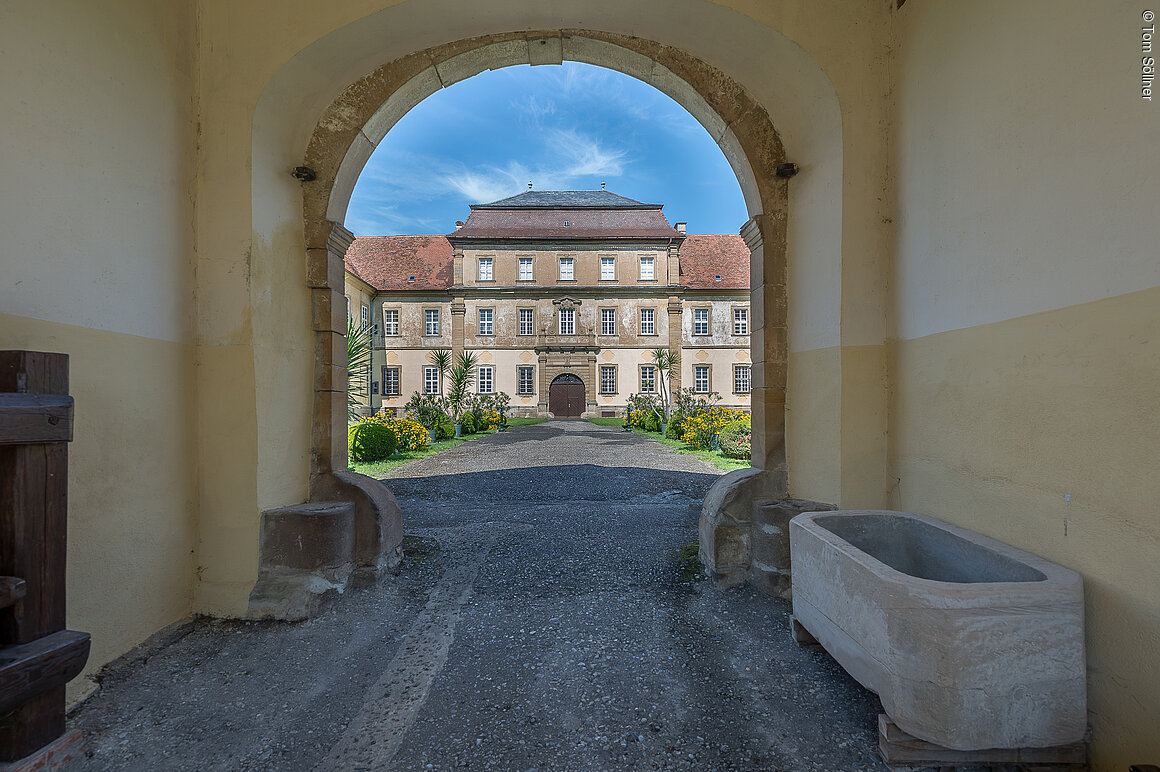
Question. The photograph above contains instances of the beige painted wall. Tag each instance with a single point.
(97, 263)
(1025, 306)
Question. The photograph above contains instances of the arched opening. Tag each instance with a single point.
(566, 396)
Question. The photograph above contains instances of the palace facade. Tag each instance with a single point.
(563, 296)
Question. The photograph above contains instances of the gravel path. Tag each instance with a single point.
(543, 620)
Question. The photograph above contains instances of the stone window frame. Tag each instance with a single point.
(490, 310)
(708, 321)
(398, 370)
(489, 261)
(531, 261)
(611, 279)
(490, 369)
(615, 378)
(640, 373)
(398, 312)
(652, 321)
(708, 370)
(602, 332)
(571, 262)
(531, 380)
(531, 321)
(571, 312)
(427, 322)
(640, 270)
(737, 367)
(744, 310)
(427, 380)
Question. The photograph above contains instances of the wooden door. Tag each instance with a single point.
(566, 397)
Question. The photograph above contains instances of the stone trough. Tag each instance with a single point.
(970, 643)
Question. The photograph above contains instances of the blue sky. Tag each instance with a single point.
(565, 127)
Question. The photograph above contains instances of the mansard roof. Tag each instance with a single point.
(593, 215)
(402, 262)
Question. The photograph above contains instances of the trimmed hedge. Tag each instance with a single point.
(371, 442)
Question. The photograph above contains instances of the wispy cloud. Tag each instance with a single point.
(585, 155)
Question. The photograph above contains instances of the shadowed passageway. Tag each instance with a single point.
(543, 619)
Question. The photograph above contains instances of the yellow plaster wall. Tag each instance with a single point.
(1025, 297)
(97, 262)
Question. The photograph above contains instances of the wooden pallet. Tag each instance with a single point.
(904, 751)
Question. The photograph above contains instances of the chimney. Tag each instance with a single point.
(681, 227)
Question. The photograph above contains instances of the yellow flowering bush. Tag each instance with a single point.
(487, 419)
(707, 422)
(410, 434)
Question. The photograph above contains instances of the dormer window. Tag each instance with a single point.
(567, 224)
(411, 280)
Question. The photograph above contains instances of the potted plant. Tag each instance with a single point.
(426, 410)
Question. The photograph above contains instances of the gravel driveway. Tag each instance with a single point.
(543, 620)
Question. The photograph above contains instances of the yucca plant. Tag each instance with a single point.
(358, 367)
(460, 380)
(667, 361)
(441, 359)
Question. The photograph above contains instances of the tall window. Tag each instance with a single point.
(567, 321)
(485, 273)
(607, 269)
(486, 321)
(390, 381)
(566, 272)
(608, 321)
(486, 379)
(607, 379)
(648, 379)
(525, 269)
(647, 269)
(365, 319)
(391, 321)
(432, 316)
(648, 323)
(430, 380)
(740, 321)
(348, 307)
(525, 379)
(701, 379)
(741, 379)
(700, 321)
(526, 322)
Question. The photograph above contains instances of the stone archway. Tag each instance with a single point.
(566, 396)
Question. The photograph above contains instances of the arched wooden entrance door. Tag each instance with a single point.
(566, 396)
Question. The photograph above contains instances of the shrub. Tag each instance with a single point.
(446, 428)
(699, 429)
(468, 423)
(646, 421)
(412, 435)
(735, 440)
(487, 420)
(371, 441)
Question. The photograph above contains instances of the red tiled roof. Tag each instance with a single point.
(707, 256)
(388, 262)
(588, 223)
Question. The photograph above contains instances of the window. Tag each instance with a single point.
(701, 379)
(740, 321)
(525, 380)
(365, 319)
(648, 379)
(608, 321)
(647, 272)
(486, 379)
(567, 321)
(648, 325)
(566, 273)
(391, 382)
(608, 269)
(391, 321)
(485, 273)
(432, 315)
(526, 322)
(430, 380)
(700, 321)
(525, 269)
(348, 308)
(608, 379)
(741, 379)
(486, 321)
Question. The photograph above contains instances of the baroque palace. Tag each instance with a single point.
(563, 296)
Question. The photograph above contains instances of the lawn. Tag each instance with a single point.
(379, 468)
(716, 458)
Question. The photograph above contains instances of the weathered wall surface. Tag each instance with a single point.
(1027, 285)
(96, 262)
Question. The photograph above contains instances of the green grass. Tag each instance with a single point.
(380, 468)
(713, 457)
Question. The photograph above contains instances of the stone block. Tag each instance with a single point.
(328, 310)
(770, 567)
(378, 521)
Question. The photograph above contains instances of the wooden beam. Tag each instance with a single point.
(32, 669)
(27, 419)
(898, 748)
(12, 589)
